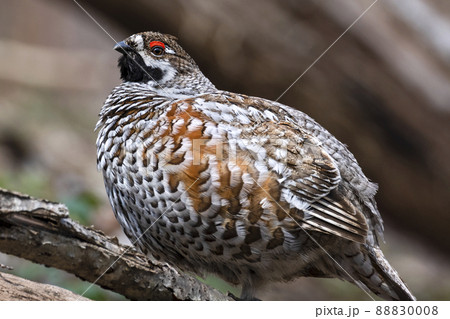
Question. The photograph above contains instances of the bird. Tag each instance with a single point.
(244, 188)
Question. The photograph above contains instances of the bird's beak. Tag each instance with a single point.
(122, 47)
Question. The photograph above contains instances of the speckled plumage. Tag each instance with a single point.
(242, 187)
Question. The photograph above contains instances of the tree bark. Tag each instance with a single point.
(16, 288)
(41, 231)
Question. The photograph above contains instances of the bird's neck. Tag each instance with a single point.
(182, 86)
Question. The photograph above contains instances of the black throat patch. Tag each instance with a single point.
(133, 69)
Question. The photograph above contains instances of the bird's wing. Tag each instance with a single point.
(310, 181)
(299, 181)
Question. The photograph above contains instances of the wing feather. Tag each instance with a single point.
(308, 176)
(314, 178)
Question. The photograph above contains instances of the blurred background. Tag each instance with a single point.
(383, 89)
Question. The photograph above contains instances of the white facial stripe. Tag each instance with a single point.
(169, 50)
(167, 69)
(149, 60)
(139, 42)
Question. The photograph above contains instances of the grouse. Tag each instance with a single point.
(246, 188)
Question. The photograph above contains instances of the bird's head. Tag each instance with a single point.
(157, 59)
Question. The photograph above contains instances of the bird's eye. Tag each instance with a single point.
(157, 48)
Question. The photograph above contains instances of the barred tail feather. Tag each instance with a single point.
(375, 272)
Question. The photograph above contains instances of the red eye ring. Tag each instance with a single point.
(157, 48)
(157, 43)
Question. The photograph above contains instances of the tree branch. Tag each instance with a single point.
(16, 288)
(41, 231)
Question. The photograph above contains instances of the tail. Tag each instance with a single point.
(373, 271)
